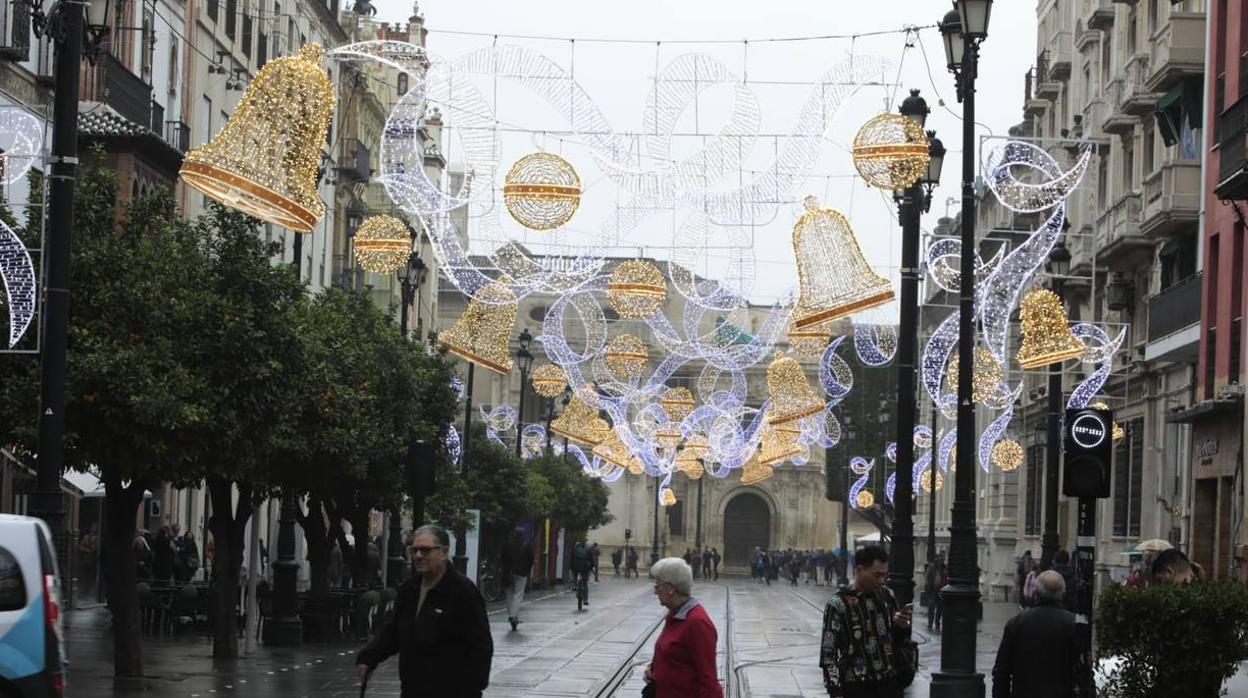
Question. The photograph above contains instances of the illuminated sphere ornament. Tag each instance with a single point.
(1047, 338)
(668, 436)
(264, 160)
(481, 333)
(925, 480)
(864, 500)
(987, 376)
(1007, 455)
(626, 356)
(542, 191)
(834, 279)
(581, 423)
(791, 395)
(669, 497)
(677, 402)
(891, 151)
(549, 380)
(636, 289)
(382, 244)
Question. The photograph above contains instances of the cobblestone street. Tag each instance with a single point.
(768, 636)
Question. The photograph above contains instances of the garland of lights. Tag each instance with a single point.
(18, 273)
(21, 138)
(876, 345)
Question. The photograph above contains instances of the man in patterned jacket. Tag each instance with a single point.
(863, 630)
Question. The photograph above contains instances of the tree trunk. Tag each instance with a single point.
(317, 535)
(227, 524)
(123, 597)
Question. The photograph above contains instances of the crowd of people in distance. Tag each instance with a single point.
(795, 566)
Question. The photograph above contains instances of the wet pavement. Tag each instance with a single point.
(768, 635)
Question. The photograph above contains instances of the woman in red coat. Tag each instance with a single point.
(684, 655)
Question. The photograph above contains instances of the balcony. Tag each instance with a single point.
(1137, 99)
(1119, 244)
(1100, 15)
(1232, 149)
(1118, 122)
(1178, 51)
(110, 82)
(178, 135)
(1174, 322)
(1060, 50)
(1171, 199)
(356, 162)
(1082, 250)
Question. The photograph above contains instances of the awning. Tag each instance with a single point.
(1182, 101)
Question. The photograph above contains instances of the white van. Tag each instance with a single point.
(32, 651)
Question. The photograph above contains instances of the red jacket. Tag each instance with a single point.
(684, 655)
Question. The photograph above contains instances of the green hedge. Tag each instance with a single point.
(1174, 640)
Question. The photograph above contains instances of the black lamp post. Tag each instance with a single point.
(410, 277)
(66, 28)
(1059, 267)
(460, 558)
(912, 202)
(963, 29)
(842, 569)
(524, 361)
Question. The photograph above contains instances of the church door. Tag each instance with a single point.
(747, 523)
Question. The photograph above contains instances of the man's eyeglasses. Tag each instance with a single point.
(425, 549)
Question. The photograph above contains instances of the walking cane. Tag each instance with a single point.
(363, 686)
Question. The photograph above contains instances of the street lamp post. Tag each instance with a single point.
(842, 569)
(460, 558)
(963, 29)
(911, 204)
(931, 495)
(524, 361)
(411, 277)
(1059, 266)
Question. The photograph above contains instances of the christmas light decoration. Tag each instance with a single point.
(754, 472)
(1047, 338)
(944, 264)
(636, 289)
(21, 143)
(382, 244)
(864, 499)
(453, 444)
(810, 341)
(989, 437)
(669, 497)
(925, 480)
(988, 374)
(17, 271)
(791, 396)
(1003, 164)
(626, 356)
(834, 278)
(1099, 351)
(548, 380)
(542, 191)
(875, 345)
(481, 334)
(580, 423)
(677, 402)
(264, 161)
(1118, 432)
(891, 151)
(776, 446)
(1007, 455)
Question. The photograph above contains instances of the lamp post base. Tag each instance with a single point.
(957, 677)
(283, 632)
(948, 684)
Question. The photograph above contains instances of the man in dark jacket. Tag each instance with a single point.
(1061, 565)
(1036, 658)
(517, 562)
(440, 630)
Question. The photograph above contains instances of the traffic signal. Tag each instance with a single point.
(833, 479)
(1088, 452)
(422, 465)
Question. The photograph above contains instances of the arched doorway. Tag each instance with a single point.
(747, 524)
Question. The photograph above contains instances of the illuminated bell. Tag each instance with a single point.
(987, 376)
(754, 472)
(264, 160)
(669, 497)
(809, 342)
(626, 356)
(791, 395)
(1007, 455)
(480, 335)
(382, 244)
(668, 436)
(636, 289)
(635, 467)
(1047, 338)
(677, 403)
(891, 151)
(581, 423)
(691, 467)
(548, 380)
(776, 446)
(613, 450)
(833, 276)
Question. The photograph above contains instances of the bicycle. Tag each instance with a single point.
(489, 584)
(582, 590)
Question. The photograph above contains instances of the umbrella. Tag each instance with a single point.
(1153, 545)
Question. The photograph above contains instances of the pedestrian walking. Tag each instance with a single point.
(594, 555)
(715, 559)
(1036, 657)
(1020, 573)
(163, 556)
(684, 654)
(439, 628)
(1172, 567)
(1031, 586)
(933, 581)
(582, 565)
(696, 565)
(866, 650)
(707, 559)
(264, 559)
(617, 556)
(189, 556)
(517, 564)
(1061, 565)
(630, 566)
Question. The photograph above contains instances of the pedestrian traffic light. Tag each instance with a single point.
(1088, 452)
(421, 469)
(833, 479)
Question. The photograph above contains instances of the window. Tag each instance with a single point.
(231, 18)
(1150, 131)
(402, 84)
(213, 8)
(174, 79)
(1128, 166)
(1132, 30)
(147, 52)
(676, 518)
(1128, 480)
(12, 584)
(1034, 524)
(1154, 12)
(247, 37)
(207, 126)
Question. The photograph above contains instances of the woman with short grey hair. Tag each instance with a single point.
(684, 654)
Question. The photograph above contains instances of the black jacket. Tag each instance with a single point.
(446, 651)
(1036, 658)
(1072, 593)
(518, 558)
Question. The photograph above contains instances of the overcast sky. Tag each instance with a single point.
(618, 76)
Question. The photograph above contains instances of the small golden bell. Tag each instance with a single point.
(791, 395)
(581, 423)
(1047, 338)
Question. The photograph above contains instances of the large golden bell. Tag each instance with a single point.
(581, 423)
(776, 446)
(264, 161)
(834, 279)
(809, 342)
(754, 472)
(791, 395)
(1047, 338)
(481, 333)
